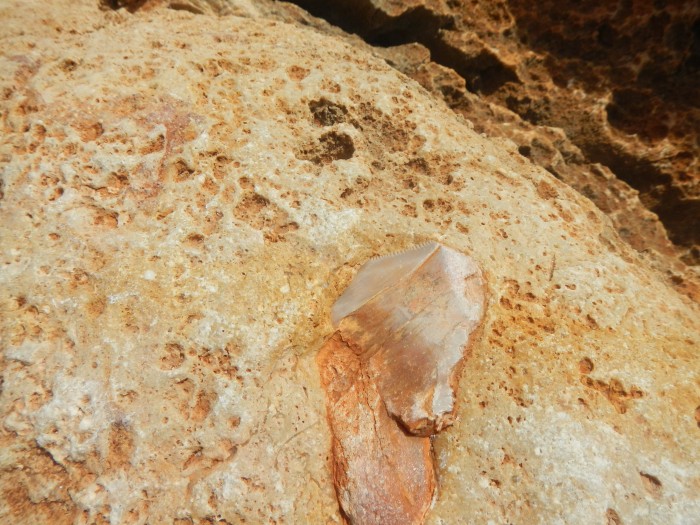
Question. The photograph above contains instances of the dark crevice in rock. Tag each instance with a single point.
(482, 70)
(680, 215)
(645, 60)
(416, 24)
(629, 112)
(130, 5)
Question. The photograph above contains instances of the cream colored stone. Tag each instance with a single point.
(173, 146)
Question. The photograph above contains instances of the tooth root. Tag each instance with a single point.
(382, 475)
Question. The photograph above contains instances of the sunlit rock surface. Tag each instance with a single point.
(183, 199)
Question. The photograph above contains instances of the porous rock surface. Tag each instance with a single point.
(183, 198)
(605, 97)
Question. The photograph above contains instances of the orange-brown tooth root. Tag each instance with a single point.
(382, 474)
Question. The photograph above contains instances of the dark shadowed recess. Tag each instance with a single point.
(134, 5)
(483, 73)
(647, 55)
(130, 5)
(600, 44)
(374, 26)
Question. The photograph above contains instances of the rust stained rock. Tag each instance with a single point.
(138, 326)
(389, 371)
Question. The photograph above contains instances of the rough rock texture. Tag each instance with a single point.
(603, 97)
(184, 197)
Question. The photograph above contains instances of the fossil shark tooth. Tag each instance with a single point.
(410, 316)
(403, 326)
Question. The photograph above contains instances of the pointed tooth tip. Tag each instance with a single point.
(405, 250)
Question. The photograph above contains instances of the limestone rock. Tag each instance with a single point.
(171, 252)
(602, 98)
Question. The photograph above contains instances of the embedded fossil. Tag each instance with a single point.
(389, 372)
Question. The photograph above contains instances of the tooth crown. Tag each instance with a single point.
(409, 316)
